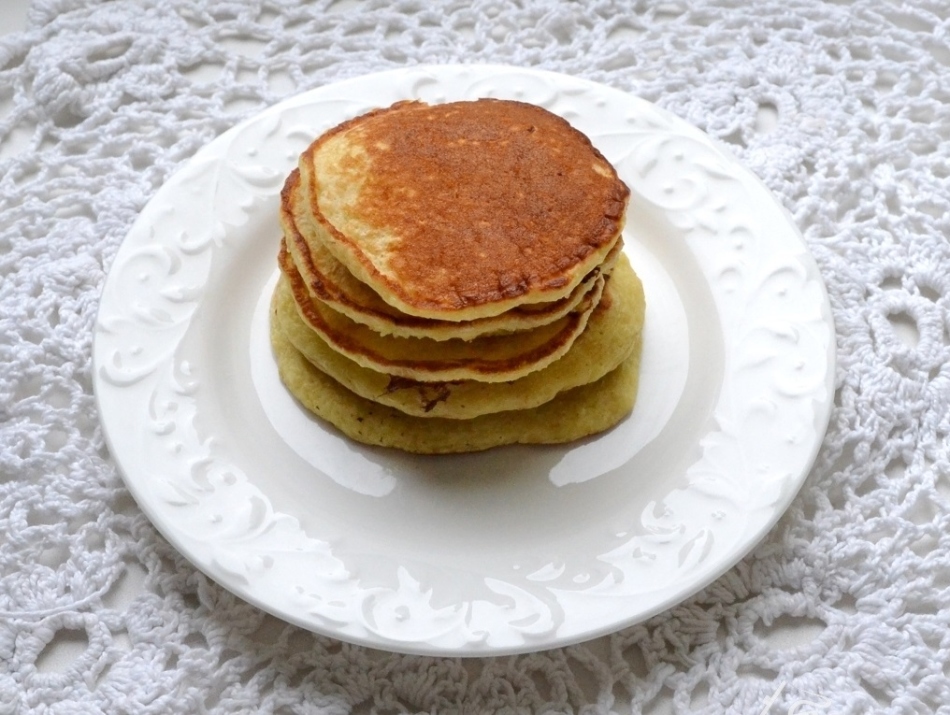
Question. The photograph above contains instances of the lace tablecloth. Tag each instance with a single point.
(843, 109)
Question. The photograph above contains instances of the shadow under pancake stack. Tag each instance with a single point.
(452, 279)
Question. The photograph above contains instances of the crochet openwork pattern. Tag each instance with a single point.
(843, 109)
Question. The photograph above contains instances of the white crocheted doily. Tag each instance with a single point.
(843, 109)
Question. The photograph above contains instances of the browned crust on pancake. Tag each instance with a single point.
(325, 289)
(493, 201)
(437, 369)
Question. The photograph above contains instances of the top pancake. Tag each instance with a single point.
(463, 210)
(330, 282)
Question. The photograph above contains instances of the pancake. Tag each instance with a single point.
(489, 359)
(612, 335)
(329, 281)
(462, 210)
(574, 414)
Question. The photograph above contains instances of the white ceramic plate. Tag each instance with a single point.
(510, 550)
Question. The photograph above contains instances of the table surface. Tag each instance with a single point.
(842, 110)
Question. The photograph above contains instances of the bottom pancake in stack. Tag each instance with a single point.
(520, 398)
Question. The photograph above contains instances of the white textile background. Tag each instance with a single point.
(842, 108)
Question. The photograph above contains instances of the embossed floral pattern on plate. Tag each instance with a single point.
(511, 550)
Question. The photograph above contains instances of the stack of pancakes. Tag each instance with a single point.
(452, 279)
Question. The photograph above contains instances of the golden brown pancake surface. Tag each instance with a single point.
(329, 281)
(466, 209)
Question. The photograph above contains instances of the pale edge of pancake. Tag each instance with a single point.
(576, 413)
(611, 336)
(488, 359)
